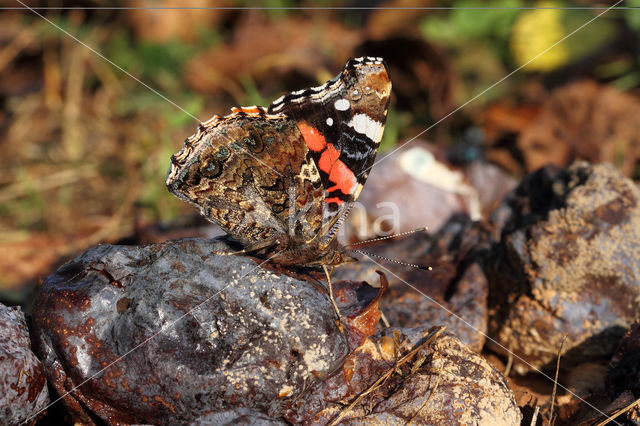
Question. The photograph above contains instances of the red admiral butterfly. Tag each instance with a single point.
(284, 178)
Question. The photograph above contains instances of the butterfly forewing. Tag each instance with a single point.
(342, 123)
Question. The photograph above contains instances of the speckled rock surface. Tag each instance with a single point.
(423, 378)
(173, 333)
(568, 263)
(237, 416)
(23, 384)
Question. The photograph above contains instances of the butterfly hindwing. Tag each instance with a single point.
(244, 170)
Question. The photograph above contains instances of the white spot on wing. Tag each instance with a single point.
(341, 104)
(329, 121)
(366, 125)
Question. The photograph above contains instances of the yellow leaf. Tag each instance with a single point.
(537, 30)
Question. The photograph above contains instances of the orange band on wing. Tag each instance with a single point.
(336, 200)
(328, 159)
(337, 170)
(314, 139)
(343, 178)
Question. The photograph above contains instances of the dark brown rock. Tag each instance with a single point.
(411, 375)
(624, 369)
(174, 333)
(566, 265)
(23, 383)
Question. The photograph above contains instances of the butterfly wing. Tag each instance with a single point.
(251, 173)
(342, 123)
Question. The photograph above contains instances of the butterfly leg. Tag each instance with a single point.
(333, 301)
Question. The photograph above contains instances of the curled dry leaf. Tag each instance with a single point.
(358, 304)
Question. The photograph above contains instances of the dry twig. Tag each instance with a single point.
(555, 381)
(507, 369)
(534, 418)
(620, 412)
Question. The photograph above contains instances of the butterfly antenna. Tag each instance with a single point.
(401, 234)
(413, 265)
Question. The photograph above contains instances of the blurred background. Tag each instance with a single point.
(85, 147)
